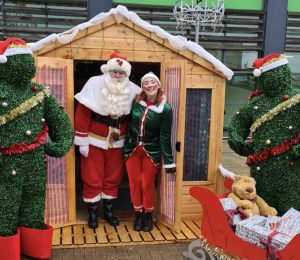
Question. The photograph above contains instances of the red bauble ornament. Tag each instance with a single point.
(285, 97)
(250, 141)
(35, 88)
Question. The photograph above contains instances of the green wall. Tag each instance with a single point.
(293, 6)
(230, 4)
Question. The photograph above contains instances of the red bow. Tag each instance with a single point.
(271, 252)
(255, 93)
(232, 212)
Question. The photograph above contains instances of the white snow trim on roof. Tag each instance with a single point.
(179, 43)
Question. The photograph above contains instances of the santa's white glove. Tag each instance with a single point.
(84, 150)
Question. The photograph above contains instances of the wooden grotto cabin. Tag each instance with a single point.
(194, 82)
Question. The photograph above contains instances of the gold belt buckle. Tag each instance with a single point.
(113, 136)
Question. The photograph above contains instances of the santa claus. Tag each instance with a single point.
(100, 127)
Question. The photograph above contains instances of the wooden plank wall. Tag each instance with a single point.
(141, 47)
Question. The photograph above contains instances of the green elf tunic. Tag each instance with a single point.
(150, 127)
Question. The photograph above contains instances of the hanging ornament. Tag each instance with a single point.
(285, 97)
(35, 88)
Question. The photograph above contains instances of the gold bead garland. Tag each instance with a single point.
(24, 107)
(216, 251)
(273, 112)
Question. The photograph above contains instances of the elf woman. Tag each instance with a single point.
(147, 147)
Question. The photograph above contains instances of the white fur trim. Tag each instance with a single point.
(3, 59)
(95, 199)
(168, 166)
(258, 71)
(108, 197)
(274, 65)
(81, 133)
(150, 75)
(154, 108)
(149, 209)
(226, 173)
(91, 97)
(78, 140)
(113, 64)
(140, 207)
(15, 51)
(103, 144)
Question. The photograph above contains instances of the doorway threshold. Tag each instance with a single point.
(79, 235)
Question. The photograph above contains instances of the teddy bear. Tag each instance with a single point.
(245, 197)
(243, 193)
(32, 124)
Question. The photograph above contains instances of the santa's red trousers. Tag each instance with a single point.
(101, 172)
(142, 174)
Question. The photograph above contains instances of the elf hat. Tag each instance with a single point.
(269, 62)
(117, 62)
(13, 46)
(150, 75)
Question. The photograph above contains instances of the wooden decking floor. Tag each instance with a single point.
(80, 235)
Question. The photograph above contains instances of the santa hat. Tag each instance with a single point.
(117, 62)
(150, 75)
(269, 62)
(13, 46)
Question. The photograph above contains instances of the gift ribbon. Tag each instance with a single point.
(271, 252)
(232, 212)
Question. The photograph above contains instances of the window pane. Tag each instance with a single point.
(196, 140)
(294, 61)
(239, 60)
(237, 91)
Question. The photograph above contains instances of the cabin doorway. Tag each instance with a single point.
(83, 70)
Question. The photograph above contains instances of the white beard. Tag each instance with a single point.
(115, 96)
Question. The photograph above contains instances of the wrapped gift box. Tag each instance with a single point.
(272, 222)
(231, 211)
(293, 213)
(290, 223)
(254, 230)
(228, 203)
(251, 229)
(279, 241)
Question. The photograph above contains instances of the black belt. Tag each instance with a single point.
(146, 139)
(143, 138)
(106, 120)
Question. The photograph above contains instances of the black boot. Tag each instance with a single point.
(148, 222)
(108, 212)
(139, 221)
(93, 214)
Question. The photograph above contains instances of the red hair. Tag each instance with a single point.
(143, 96)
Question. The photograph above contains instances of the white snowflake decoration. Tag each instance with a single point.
(204, 15)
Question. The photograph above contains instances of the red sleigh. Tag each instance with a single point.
(216, 230)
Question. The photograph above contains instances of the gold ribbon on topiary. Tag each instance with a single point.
(24, 107)
(273, 112)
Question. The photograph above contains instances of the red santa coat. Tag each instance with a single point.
(90, 100)
(102, 170)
